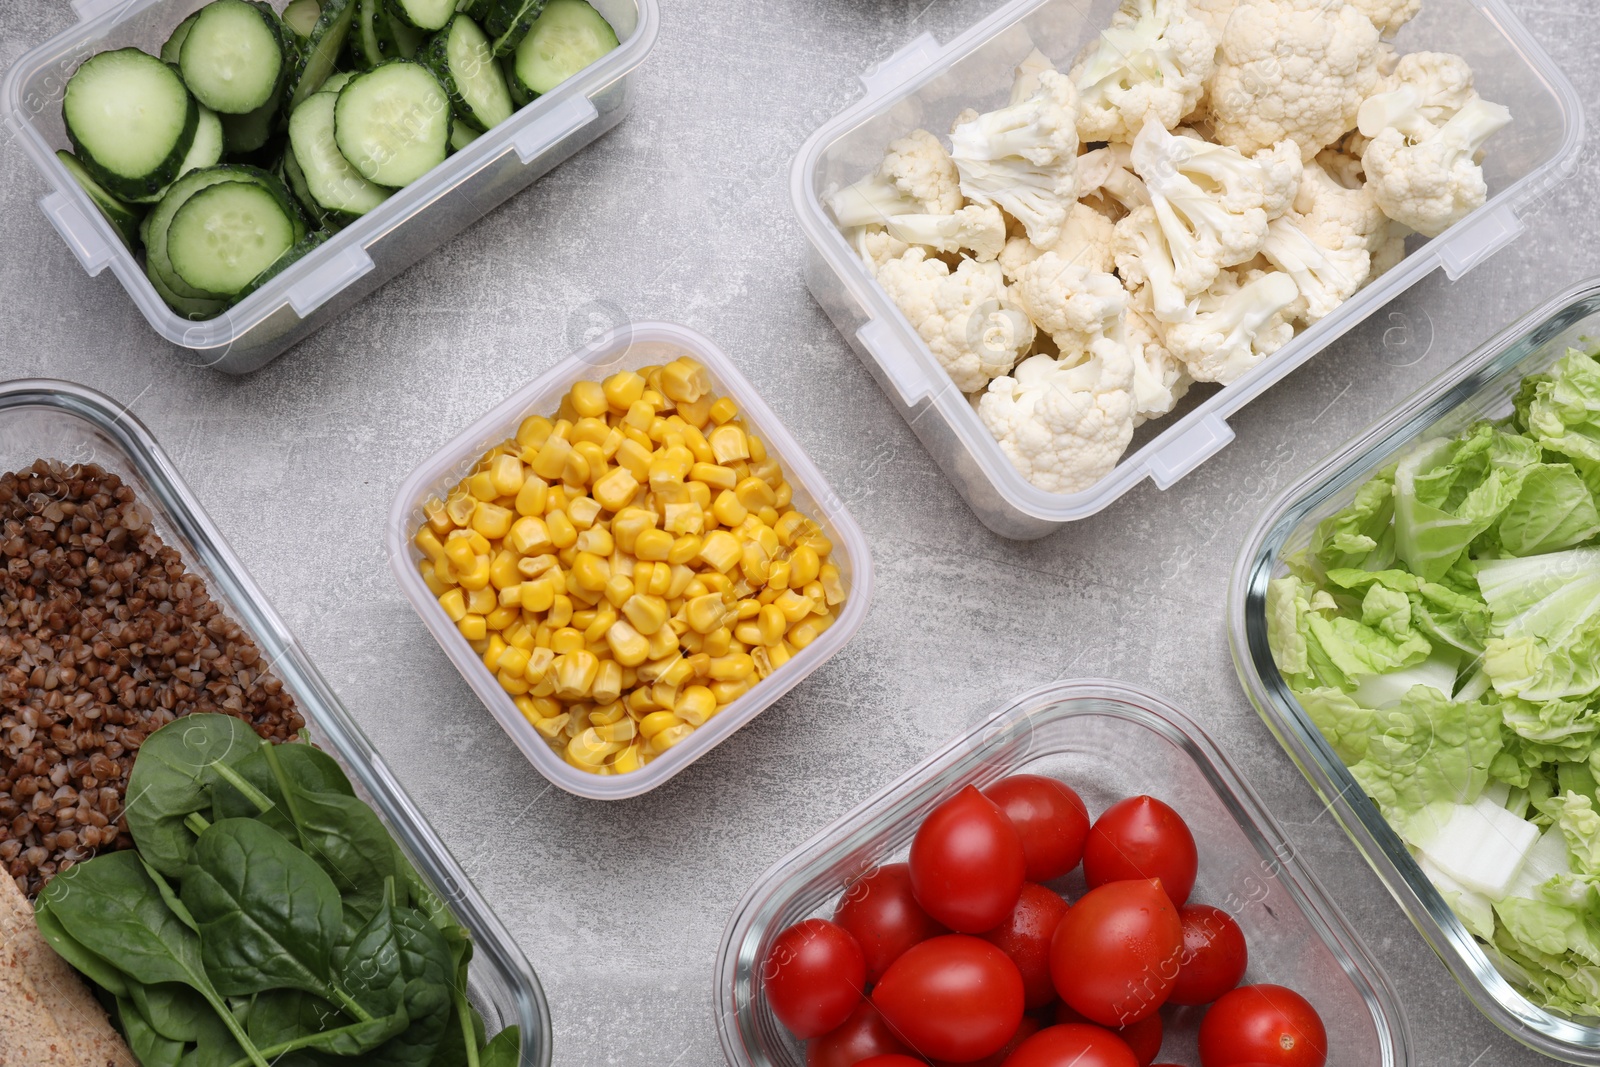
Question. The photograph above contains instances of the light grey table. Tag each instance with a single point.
(682, 213)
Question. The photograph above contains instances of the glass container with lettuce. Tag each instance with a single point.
(1443, 632)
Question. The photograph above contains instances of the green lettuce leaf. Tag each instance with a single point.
(1563, 412)
(1554, 510)
(1546, 615)
(1360, 536)
(1450, 491)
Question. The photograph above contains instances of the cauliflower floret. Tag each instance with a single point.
(1212, 203)
(1422, 94)
(1342, 160)
(1326, 277)
(966, 317)
(978, 228)
(1150, 63)
(1388, 15)
(1085, 238)
(1160, 379)
(1214, 13)
(1390, 251)
(1023, 157)
(916, 177)
(1144, 260)
(1234, 326)
(1295, 69)
(1106, 174)
(1335, 216)
(876, 246)
(1063, 423)
(1025, 81)
(1072, 303)
(1433, 181)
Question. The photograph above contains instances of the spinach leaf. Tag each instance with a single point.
(353, 1040)
(152, 1049)
(89, 963)
(216, 1046)
(310, 768)
(172, 777)
(504, 1051)
(172, 1009)
(349, 842)
(280, 1015)
(399, 959)
(169, 896)
(268, 914)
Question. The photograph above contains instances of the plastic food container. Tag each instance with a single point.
(1108, 741)
(362, 256)
(1480, 386)
(925, 84)
(41, 419)
(627, 348)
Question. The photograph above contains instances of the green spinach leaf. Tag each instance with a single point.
(172, 1009)
(504, 1051)
(399, 959)
(169, 896)
(172, 777)
(89, 963)
(151, 1048)
(268, 915)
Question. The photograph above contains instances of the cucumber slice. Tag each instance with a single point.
(393, 123)
(322, 49)
(206, 151)
(157, 223)
(302, 248)
(462, 135)
(408, 40)
(460, 57)
(130, 120)
(194, 308)
(568, 37)
(509, 21)
(302, 17)
(337, 82)
(427, 15)
(295, 178)
(233, 58)
(243, 134)
(331, 182)
(123, 218)
(520, 97)
(174, 46)
(224, 236)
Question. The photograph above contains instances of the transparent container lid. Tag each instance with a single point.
(1480, 386)
(41, 419)
(1107, 740)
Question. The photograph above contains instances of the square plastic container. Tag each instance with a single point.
(362, 256)
(1108, 741)
(1481, 386)
(627, 348)
(42, 419)
(926, 84)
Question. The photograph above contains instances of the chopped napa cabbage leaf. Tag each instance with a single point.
(1481, 845)
(1546, 613)
(1475, 910)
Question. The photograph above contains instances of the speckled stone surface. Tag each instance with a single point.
(682, 213)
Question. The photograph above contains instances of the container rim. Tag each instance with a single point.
(947, 770)
(233, 586)
(1205, 425)
(345, 247)
(500, 420)
(1547, 1033)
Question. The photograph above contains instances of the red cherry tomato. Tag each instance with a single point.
(952, 997)
(1143, 1037)
(1214, 955)
(861, 1037)
(966, 863)
(884, 916)
(813, 977)
(1025, 1029)
(1050, 818)
(1141, 838)
(1263, 1024)
(1025, 937)
(892, 1059)
(1115, 954)
(1073, 1045)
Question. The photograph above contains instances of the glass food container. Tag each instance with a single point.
(628, 347)
(925, 84)
(1479, 386)
(42, 419)
(1107, 740)
(362, 256)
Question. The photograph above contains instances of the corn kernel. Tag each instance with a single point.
(472, 627)
(818, 599)
(755, 494)
(713, 475)
(695, 705)
(562, 533)
(583, 511)
(832, 584)
(477, 577)
(628, 645)
(705, 613)
(653, 544)
(482, 601)
(727, 692)
(747, 633)
(684, 381)
(459, 553)
(803, 633)
(618, 589)
(647, 613)
(594, 629)
(718, 642)
(622, 390)
(728, 443)
(616, 488)
(588, 399)
(657, 721)
(721, 550)
(663, 643)
(513, 661)
(454, 604)
(641, 413)
(628, 760)
(727, 509)
(591, 572)
(539, 663)
(685, 518)
(575, 674)
(696, 413)
(753, 562)
(493, 651)
(552, 458)
(560, 611)
(732, 667)
(500, 618)
(608, 689)
(804, 566)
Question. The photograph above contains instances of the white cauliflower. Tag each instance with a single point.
(1235, 326)
(1292, 69)
(1326, 277)
(1388, 15)
(1063, 423)
(966, 317)
(1068, 300)
(1085, 238)
(1025, 81)
(1335, 216)
(977, 228)
(1431, 180)
(1342, 160)
(1150, 63)
(1023, 157)
(1144, 260)
(876, 246)
(916, 177)
(1422, 94)
(1214, 13)
(1106, 174)
(1390, 251)
(1212, 203)
(1160, 379)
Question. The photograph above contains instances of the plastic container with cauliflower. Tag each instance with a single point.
(981, 294)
